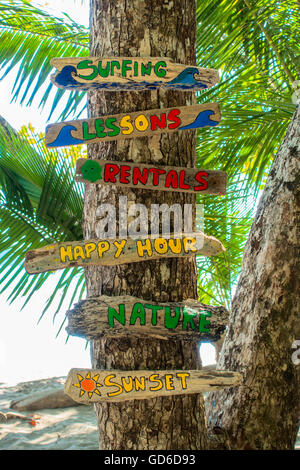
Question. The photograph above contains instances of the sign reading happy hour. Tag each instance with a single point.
(129, 73)
(191, 180)
(130, 316)
(92, 385)
(119, 251)
(132, 125)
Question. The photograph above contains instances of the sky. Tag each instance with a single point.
(30, 350)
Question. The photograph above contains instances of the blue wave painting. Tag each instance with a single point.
(202, 120)
(64, 77)
(185, 80)
(65, 137)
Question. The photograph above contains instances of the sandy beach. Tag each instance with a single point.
(72, 428)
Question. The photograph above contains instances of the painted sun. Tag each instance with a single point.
(88, 384)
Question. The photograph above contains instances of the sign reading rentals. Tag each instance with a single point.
(163, 178)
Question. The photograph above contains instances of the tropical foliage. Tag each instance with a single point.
(28, 35)
(40, 204)
(255, 47)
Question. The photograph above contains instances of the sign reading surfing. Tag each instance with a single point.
(129, 73)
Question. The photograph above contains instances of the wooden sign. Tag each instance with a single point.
(130, 316)
(118, 251)
(132, 125)
(166, 178)
(92, 385)
(129, 73)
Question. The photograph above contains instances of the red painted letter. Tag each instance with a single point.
(182, 184)
(173, 116)
(124, 173)
(199, 177)
(172, 179)
(138, 177)
(160, 122)
(110, 171)
(156, 172)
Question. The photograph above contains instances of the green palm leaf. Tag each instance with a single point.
(29, 38)
(39, 204)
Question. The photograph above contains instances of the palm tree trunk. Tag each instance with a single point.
(151, 28)
(263, 413)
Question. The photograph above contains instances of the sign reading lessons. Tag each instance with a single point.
(129, 73)
(118, 251)
(130, 316)
(91, 385)
(132, 125)
(191, 180)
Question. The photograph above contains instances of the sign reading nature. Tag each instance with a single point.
(132, 125)
(91, 385)
(127, 315)
(118, 251)
(162, 178)
(129, 73)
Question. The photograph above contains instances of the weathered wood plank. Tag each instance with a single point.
(161, 178)
(132, 125)
(130, 316)
(92, 385)
(129, 73)
(119, 251)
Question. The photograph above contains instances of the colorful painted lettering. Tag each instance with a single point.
(146, 314)
(92, 385)
(129, 73)
(133, 125)
(151, 177)
(118, 251)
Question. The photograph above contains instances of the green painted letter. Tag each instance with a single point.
(154, 309)
(138, 311)
(188, 318)
(112, 313)
(159, 72)
(110, 125)
(146, 69)
(103, 72)
(85, 132)
(84, 64)
(114, 64)
(171, 322)
(126, 66)
(203, 322)
(99, 126)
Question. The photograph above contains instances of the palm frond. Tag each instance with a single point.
(39, 204)
(29, 38)
(227, 218)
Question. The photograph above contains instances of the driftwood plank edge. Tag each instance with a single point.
(131, 316)
(144, 123)
(159, 178)
(92, 385)
(112, 252)
(129, 73)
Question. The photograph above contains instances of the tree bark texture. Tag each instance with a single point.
(263, 413)
(159, 29)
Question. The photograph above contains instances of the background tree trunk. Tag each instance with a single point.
(159, 29)
(263, 413)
